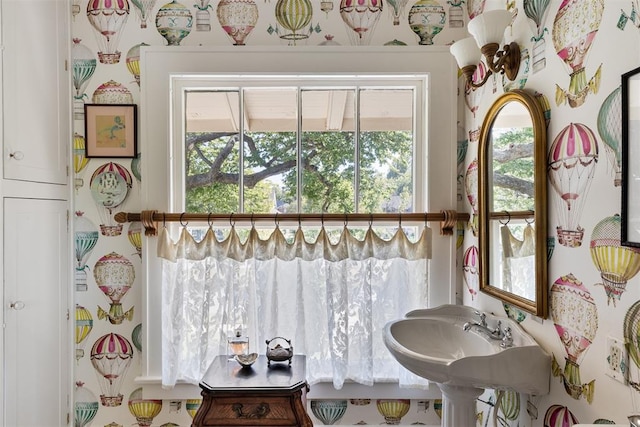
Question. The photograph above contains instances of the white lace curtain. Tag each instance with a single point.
(331, 300)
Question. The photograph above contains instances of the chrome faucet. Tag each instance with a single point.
(494, 333)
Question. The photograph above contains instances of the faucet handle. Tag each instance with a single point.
(507, 339)
(483, 318)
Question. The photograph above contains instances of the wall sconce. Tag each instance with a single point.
(487, 30)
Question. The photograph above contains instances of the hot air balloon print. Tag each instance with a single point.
(574, 29)
(361, 18)
(136, 167)
(110, 185)
(203, 17)
(616, 263)
(397, 9)
(571, 163)
(108, 18)
(192, 406)
(133, 61)
(145, 410)
(631, 333)
(393, 409)
(471, 187)
(84, 65)
(508, 402)
(294, 17)
(135, 236)
(470, 269)
(111, 356)
(237, 18)
(85, 406)
(114, 276)
(610, 130)
(136, 337)
(143, 9)
(472, 95)
(537, 11)
(559, 416)
(85, 239)
(575, 317)
(475, 8)
(80, 160)
(174, 22)
(631, 16)
(329, 411)
(84, 324)
(112, 92)
(426, 20)
(455, 13)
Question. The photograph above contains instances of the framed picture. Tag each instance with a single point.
(110, 130)
(630, 94)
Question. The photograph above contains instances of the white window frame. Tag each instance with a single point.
(163, 67)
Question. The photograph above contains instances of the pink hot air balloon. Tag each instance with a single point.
(471, 187)
(361, 16)
(112, 92)
(110, 185)
(111, 356)
(114, 275)
(108, 18)
(475, 8)
(571, 163)
(470, 265)
(472, 96)
(575, 317)
(574, 29)
(559, 416)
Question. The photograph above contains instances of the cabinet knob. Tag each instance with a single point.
(18, 155)
(17, 305)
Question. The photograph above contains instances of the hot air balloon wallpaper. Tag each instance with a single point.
(361, 18)
(136, 337)
(174, 21)
(134, 234)
(559, 416)
(111, 356)
(108, 18)
(85, 406)
(84, 324)
(85, 238)
(571, 163)
(145, 410)
(329, 411)
(397, 9)
(470, 270)
(456, 19)
(508, 403)
(610, 130)
(575, 317)
(84, 65)
(237, 18)
(143, 9)
(393, 409)
(475, 7)
(631, 16)
(294, 20)
(192, 406)
(133, 61)
(472, 96)
(537, 11)
(471, 187)
(114, 275)
(203, 17)
(110, 185)
(617, 264)
(574, 29)
(112, 92)
(427, 19)
(80, 160)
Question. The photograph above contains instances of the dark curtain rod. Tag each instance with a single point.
(151, 218)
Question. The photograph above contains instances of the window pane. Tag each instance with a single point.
(328, 151)
(212, 151)
(386, 150)
(270, 170)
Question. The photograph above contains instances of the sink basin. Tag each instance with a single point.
(433, 344)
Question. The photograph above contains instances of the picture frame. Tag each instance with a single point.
(111, 130)
(630, 158)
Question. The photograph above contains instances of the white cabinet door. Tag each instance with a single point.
(36, 372)
(36, 89)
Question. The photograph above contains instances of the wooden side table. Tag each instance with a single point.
(260, 395)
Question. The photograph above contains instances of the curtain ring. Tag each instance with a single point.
(181, 222)
(533, 219)
(232, 222)
(209, 220)
(508, 218)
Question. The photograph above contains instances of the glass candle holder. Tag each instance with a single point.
(238, 344)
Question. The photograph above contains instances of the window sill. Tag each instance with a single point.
(325, 390)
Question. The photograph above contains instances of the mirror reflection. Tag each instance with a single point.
(512, 202)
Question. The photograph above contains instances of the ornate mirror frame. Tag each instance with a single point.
(489, 220)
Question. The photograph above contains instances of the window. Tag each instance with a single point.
(318, 72)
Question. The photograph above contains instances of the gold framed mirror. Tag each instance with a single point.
(512, 202)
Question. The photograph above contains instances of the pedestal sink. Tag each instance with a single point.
(433, 344)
